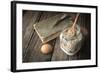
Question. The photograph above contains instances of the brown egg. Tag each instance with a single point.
(46, 49)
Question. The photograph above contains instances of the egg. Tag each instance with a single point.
(46, 48)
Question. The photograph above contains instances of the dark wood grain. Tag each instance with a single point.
(85, 52)
(33, 53)
(29, 19)
(58, 54)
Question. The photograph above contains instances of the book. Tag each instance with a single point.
(48, 30)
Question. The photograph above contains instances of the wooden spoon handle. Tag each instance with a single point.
(76, 18)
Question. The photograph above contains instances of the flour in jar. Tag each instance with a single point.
(70, 41)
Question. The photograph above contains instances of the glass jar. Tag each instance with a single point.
(71, 45)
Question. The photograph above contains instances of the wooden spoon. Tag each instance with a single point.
(72, 30)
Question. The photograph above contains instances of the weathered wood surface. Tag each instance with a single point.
(28, 19)
(32, 43)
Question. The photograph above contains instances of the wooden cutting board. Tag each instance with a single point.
(46, 29)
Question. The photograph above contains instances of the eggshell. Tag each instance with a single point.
(46, 49)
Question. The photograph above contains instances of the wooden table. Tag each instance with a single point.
(31, 43)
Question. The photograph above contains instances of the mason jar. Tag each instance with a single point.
(71, 45)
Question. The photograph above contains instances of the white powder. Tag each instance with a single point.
(69, 43)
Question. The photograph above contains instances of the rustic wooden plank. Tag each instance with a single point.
(34, 54)
(58, 54)
(33, 50)
(29, 19)
(86, 49)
